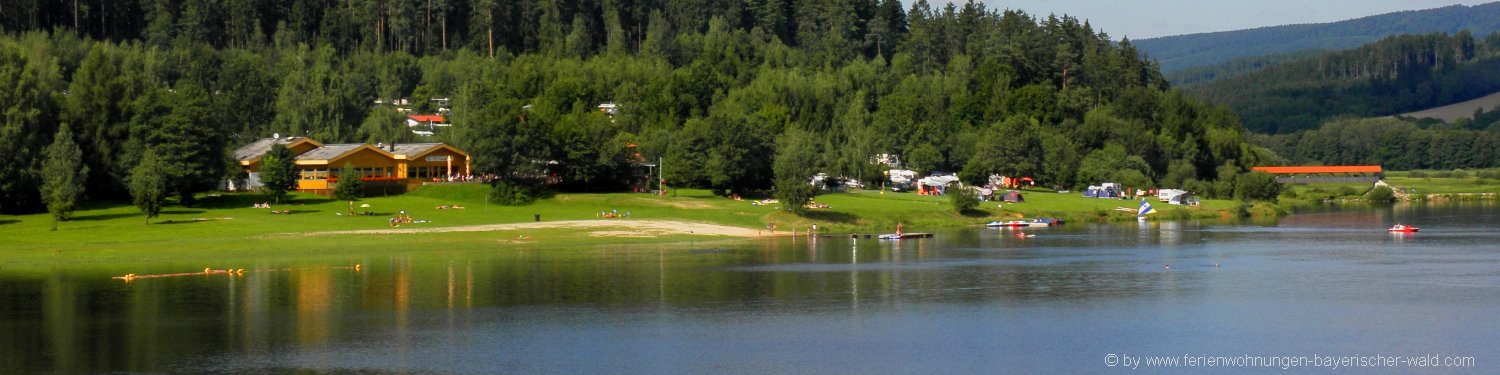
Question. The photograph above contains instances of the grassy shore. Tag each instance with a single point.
(225, 226)
(1436, 186)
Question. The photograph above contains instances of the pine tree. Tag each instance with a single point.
(63, 175)
(349, 185)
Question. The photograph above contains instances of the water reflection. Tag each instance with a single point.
(650, 301)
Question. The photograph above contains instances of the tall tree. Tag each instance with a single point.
(278, 172)
(795, 164)
(100, 103)
(63, 175)
(188, 144)
(28, 115)
(148, 185)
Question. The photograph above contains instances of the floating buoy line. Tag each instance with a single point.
(228, 272)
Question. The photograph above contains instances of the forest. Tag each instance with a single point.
(1180, 52)
(1396, 75)
(735, 96)
(1396, 144)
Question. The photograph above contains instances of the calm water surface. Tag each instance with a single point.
(1326, 282)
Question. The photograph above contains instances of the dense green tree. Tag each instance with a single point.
(192, 151)
(278, 172)
(707, 86)
(28, 118)
(63, 176)
(1112, 164)
(1256, 186)
(1395, 75)
(245, 98)
(313, 100)
(148, 185)
(387, 125)
(794, 166)
(100, 103)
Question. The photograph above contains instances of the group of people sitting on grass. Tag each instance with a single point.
(612, 214)
(268, 205)
(763, 202)
(405, 218)
(444, 207)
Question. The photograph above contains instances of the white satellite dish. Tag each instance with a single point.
(275, 135)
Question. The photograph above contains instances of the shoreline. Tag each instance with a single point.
(649, 228)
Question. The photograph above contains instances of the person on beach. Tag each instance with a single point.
(898, 229)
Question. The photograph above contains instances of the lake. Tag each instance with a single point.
(1320, 288)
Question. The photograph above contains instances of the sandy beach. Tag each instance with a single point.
(597, 228)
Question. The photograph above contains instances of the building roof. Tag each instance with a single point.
(411, 148)
(255, 150)
(427, 118)
(333, 151)
(1320, 169)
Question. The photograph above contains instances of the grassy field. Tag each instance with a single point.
(1423, 185)
(225, 226)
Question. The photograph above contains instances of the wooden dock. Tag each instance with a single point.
(867, 235)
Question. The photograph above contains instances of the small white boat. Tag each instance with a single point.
(1403, 228)
(1020, 224)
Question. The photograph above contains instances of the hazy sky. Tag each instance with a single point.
(1141, 19)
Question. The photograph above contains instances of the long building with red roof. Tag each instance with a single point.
(1322, 173)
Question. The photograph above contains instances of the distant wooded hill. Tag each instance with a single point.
(1185, 51)
(1396, 75)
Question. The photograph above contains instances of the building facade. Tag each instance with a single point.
(398, 167)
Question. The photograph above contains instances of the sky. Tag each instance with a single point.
(1142, 19)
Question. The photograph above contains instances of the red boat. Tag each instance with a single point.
(1403, 229)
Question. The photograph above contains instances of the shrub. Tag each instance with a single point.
(1256, 186)
(1381, 194)
(964, 199)
(1243, 210)
(1418, 174)
(1345, 191)
(794, 194)
(507, 193)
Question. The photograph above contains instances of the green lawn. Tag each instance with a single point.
(1436, 185)
(875, 211)
(1423, 185)
(224, 226)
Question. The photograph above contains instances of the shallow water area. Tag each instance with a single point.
(1077, 298)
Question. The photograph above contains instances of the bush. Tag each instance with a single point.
(1488, 174)
(794, 194)
(1381, 194)
(1243, 210)
(1256, 186)
(507, 193)
(1345, 191)
(964, 199)
(348, 186)
(1418, 174)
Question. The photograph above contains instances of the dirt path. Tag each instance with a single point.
(597, 228)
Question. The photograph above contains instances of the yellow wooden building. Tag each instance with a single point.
(405, 166)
